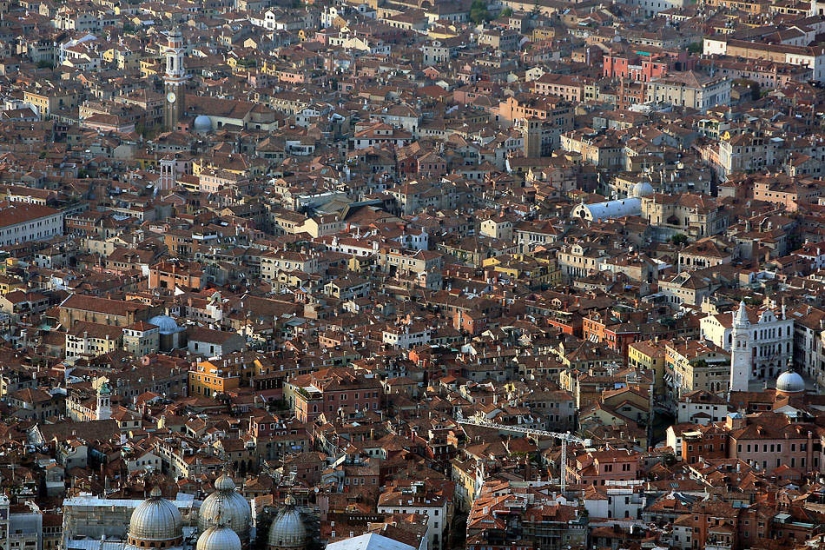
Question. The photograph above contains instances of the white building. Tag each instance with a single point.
(813, 253)
(701, 407)
(614, 502)
(330, 14)
(417, 499)
(804, 56)
(20, 528)
(371, 541)
(406, 337)
(147, 461)
(92, 340)
(609, 209)
(21, 222)
(4, 521)
(690, 89)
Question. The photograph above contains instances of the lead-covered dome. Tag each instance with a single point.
(226, 506)
(219, 537)
(790, 382)
(156, 523)
(288, 529)
(166, 324)
(202, 123)
(642, 189)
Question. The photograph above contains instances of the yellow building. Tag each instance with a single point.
(150, 67)
(692, 365)
(125, 59)
(50, 100)
(442, 32)
(543, 33)
(222, 375)
(86, 340)
(209, 379)
(8, 284)
(359, 264)
(464, 474)
(239, 167)
(270, 69)
(751, 7)
(649, 355)
(535, 270)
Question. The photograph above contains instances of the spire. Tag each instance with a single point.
(741, 317)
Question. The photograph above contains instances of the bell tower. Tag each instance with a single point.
(104, 399)
(531, 134)
(740, 352)
(168, 173)
(174, 81)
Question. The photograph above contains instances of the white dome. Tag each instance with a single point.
(790, 382)
(288, 529)
(219, 538)
(166, 324)
(642, 189)
(155, 519)
(226, 506)
(202, 123)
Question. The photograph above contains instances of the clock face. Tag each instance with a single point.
(171, 97)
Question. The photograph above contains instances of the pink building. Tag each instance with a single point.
(599, 467)
(770, 440)
(332, 391)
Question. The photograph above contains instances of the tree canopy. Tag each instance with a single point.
(479, 12)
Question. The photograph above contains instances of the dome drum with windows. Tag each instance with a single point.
(219, 537)
(156, 523)
(288, 531)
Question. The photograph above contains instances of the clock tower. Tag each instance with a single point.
(174, 81)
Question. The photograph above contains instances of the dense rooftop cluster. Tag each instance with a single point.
(412, 275)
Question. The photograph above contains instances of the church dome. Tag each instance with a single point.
(228, 506)
(219, 538)
(166, 324)
(202, 123)
(287, 529)
(224, 483)
(642, 189)
(155, 520)
(790, 382)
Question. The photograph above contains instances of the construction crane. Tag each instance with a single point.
(565, 438)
